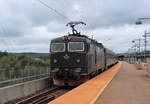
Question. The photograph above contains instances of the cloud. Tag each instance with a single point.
(119, 39)
(29, 25)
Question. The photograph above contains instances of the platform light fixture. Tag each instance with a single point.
(138, 22)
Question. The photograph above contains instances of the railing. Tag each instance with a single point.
(18, 76)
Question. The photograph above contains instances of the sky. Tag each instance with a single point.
(29, 26)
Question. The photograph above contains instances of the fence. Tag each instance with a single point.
(9, 77)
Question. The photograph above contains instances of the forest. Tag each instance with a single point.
(16, 65)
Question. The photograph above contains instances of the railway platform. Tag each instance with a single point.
(121, 84)
(88, 92)
(129, 86)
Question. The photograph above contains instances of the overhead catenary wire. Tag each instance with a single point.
(65, 17)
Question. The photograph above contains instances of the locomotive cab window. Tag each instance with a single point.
(75, 46)
(57, 47)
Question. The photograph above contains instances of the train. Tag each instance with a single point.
(76, 58)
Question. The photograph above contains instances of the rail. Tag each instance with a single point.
(35, 99)
(45, 96)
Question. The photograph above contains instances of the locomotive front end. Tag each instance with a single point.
(68, 60)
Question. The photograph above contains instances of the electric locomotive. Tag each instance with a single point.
(75, 58)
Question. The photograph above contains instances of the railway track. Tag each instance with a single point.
(46, 96)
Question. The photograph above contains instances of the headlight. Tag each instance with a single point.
(55, 61)
(66, 69)
(55, 70)
(78, 70)
(78, 60)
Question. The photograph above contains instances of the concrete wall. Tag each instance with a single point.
(22, 89)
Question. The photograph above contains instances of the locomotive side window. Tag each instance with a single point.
(75, 46)
(57, 47)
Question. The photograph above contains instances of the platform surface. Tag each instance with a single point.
(129, 86)
(88, 92)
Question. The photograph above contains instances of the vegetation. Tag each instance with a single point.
(22, 61)
(43, 56)
(26, 63)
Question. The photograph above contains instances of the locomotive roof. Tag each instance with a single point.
(80, 38)
(72, 38)
(110, 51)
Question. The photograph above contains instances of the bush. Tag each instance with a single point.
(14, 63)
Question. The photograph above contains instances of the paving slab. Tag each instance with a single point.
(129, 86)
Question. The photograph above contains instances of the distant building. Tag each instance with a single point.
(37, 59)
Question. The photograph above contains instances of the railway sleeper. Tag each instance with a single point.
(45, 101)
(38, 100)
(29, 100)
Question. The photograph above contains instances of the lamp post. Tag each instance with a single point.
(134, 47)
(139, 22)
(129, 55)
(145, 41)
(139, 47)
(139, 44)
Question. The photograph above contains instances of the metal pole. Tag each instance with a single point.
(134, 50)
(139, 45)
(145, 35)
(145, 41)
